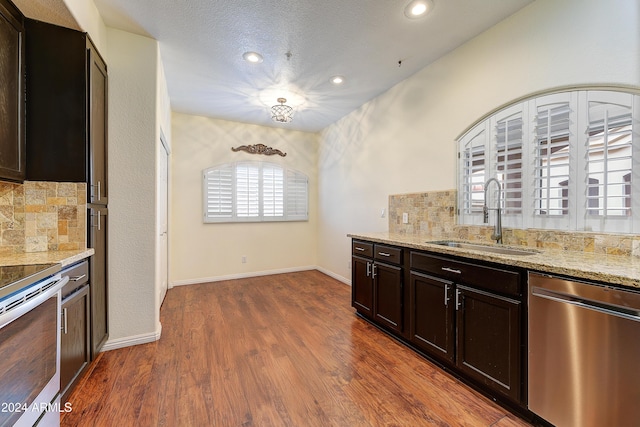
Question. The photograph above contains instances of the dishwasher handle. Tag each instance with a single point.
(591, 304)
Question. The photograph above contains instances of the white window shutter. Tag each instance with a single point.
(508, 161)
(272, 191)
(218, 193)
(473, 174)
(247, 190)
(297, 196)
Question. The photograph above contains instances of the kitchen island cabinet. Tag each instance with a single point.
(12, 107)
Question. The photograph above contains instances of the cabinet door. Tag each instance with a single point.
(387, 283)
(97, 219)
(488, 340)
(75, 351)
(432, 315)
(12, 105)
(97, 114)
(362, 286)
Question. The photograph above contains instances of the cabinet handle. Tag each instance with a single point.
(451, 270)
(384, 254)
(97, 225)
(77, 278)
(98, 192)
(358, 248)
(368, 269)
(64, 321)
(446, 295)
(459, 300)
(373, 271)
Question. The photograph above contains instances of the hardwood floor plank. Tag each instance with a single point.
(281, 350)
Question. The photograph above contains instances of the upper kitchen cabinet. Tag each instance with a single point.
(66, 109)
(12, 101)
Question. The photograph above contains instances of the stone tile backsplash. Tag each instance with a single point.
(42, 216)
(434, 215)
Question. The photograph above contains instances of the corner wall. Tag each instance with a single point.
(404, 140)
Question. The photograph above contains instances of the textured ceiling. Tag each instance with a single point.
(202, 42)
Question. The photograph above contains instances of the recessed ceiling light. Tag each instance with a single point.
(253, 57)
(337, 80)
(418, 8)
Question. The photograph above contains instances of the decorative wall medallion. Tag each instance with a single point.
(259, 149)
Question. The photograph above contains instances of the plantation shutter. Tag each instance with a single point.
(473, 168)
(508, 161)
(297, 196)
(247, 190)
(609, 158)
(218, 188)
(551, 159)
(272, 191)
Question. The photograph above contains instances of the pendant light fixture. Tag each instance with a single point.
(281, 113)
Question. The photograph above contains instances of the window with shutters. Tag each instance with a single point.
(254, 192)
(566, 160)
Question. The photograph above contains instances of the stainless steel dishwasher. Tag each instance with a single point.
(584, 353)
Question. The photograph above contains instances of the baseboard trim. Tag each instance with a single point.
(241, 275)
(132, 340)
(334, 275)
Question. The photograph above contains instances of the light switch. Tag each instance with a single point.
(405, 218)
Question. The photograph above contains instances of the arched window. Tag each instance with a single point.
(564, 160)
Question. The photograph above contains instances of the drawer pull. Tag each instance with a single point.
(384, 254)
(358, 248)
(451, 270)
(77, 278)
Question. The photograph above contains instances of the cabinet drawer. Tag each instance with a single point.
(78, 276)
(489, 278)
(362, 248)
(388, 254)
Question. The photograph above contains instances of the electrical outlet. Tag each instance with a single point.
(244, 259)
(382, 214)
(349, 265)
(405, 218)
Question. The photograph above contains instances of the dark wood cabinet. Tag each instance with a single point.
(362, 285)
(12, 90)
(470, 315)
(387, 290)
(433, 315)
(97, 218)
(488, 340)
(377, 283)
(75, 346)
(66, 109)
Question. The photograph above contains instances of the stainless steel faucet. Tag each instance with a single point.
(497, 231)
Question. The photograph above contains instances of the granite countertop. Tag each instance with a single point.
(63, 258)
(614, 269)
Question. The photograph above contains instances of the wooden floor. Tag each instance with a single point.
(282, 350)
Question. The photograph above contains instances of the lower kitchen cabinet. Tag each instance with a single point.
(488, 344)
(468, 316)
(75, 351)
(377, 283)
(75, 341)
(433, 315)
(387, 289)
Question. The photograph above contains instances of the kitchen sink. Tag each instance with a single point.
(484, 248)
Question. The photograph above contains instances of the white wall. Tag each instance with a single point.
(86, 14)
(133, 136)
(206, 252)
(403, 141)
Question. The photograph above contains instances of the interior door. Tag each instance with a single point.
(163, 218)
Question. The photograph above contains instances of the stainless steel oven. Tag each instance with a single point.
(30, 345)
